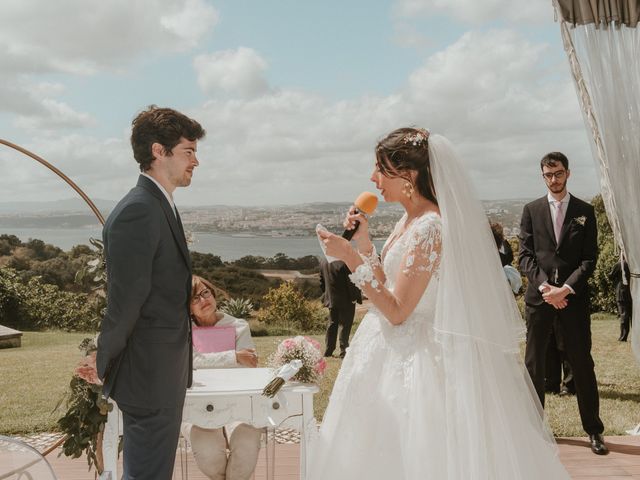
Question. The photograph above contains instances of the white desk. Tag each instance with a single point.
(221, 396)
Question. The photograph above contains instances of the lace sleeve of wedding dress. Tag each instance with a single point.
(399, 298)
(422, 256)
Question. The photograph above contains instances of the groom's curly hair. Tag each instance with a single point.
(403, 150)
(165, 126)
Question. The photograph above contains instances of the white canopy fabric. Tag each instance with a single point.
(603, 48)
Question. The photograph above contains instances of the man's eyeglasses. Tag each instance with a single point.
(205, 293)
(559, 174)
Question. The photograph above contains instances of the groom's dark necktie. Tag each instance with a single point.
(180, 223)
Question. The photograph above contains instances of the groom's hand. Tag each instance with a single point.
(556, 296)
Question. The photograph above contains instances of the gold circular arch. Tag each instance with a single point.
(55, 170)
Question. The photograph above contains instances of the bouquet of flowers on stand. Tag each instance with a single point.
(298, 359)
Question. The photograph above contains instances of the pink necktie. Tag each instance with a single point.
(557, 227)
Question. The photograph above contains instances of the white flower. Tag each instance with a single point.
(580, 220)
(410, 259)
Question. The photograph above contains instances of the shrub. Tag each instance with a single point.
(287, 311)
(46, 306)
(37, 305)
(237, 307)
(258, 329)
(11, 297)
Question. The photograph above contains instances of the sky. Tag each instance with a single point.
(293, 94)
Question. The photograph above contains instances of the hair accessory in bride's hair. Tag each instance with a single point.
(416, 138)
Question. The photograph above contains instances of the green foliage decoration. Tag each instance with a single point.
(83, 423)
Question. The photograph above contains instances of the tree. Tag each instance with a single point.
(251, 261)
(602, 290)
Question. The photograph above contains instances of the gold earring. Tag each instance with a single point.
(408, 189)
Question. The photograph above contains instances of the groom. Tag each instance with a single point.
(144, 347)
(558, 253)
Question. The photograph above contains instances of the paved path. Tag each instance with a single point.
(623, 463)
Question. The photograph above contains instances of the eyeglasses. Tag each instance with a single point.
(205, 293)
(559, 174)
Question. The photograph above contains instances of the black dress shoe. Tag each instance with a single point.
(623, 337)
(597, 444)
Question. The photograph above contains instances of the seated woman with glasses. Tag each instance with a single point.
(230, 452)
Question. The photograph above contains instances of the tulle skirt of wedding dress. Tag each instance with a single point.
(388, 416)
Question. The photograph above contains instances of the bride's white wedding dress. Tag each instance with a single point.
(420, 401)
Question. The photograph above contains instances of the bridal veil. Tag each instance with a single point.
(495, 426)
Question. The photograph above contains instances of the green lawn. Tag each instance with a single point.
(618, 376)
(34, 378)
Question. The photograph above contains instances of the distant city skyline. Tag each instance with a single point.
(293, 95)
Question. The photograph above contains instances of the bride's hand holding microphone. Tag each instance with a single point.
(356, 226)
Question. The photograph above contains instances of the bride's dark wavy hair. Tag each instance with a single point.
(407, 149)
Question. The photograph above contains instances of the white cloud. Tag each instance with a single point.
(239, 71)
(191, 21)
(103, 168)
(54, 115)
(33, 107)
(80, 38)
(84, 37)
(493, 93)
(502, 99)
(477, 12)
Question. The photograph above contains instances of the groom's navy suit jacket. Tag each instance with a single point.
(144, 347)
(570, 261)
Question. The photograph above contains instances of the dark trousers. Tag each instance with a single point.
(150, 438)
(339, 317)
(558, 372)
(574, 323)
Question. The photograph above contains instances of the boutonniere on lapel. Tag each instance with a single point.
(580, 220)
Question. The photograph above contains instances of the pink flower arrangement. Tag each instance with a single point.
(87, 369)
(306, 349)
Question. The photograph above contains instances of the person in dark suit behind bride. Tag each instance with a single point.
(339, 295)
(504, 248)
(558, 253)
(623, 298)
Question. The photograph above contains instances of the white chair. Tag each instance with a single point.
(20, 461)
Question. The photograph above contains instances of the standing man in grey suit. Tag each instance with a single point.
(558, 253)
(144, 347)
(340, 296)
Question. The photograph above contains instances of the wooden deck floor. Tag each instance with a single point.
(622, 463)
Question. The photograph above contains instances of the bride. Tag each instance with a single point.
(432, 385)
